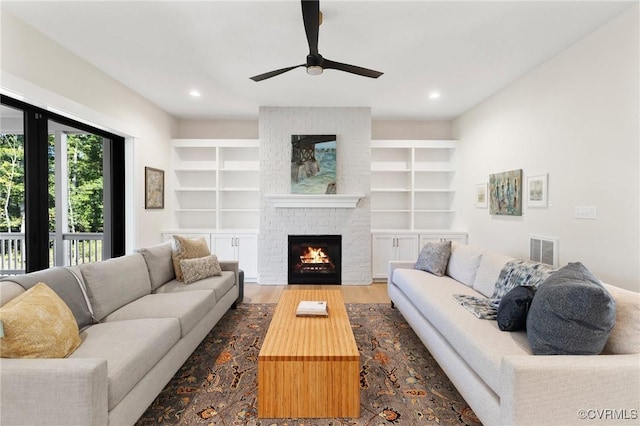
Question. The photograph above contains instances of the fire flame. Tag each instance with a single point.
(314, 255)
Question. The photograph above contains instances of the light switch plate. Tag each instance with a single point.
(585, 212)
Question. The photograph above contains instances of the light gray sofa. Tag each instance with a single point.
(138, 325)
(495, 371)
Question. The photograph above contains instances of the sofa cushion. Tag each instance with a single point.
(202, 267)
(625, 336)
(433, 296)
(38, 324)
(131, 348)
(571, 314)
(491, 264)
(219, 284)
(67, 287)
(520, 272)
(188, 307)
(187, 248)
(464, 262)
(513, 309)
(159, 263)
(113, 283)
(434, 258)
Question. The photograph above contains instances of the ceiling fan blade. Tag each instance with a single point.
(327, 64)
(311, 17)
(274, 73)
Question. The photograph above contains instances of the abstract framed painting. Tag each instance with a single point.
(505, 193)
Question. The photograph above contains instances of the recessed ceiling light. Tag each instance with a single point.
(434, 95)
(195, 93)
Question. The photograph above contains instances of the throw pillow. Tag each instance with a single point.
(187, 248)
(625, 336)
(38, 324)
(513, 309)
(464, 263)
(199, 268)
(434, 258)
(571, 314)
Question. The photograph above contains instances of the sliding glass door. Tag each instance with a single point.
(64, 191)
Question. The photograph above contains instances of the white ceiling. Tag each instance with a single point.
(465, 50)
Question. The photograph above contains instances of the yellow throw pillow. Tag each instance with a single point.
(38, 324)
(187, 248)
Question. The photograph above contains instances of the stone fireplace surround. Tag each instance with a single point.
(352, 127)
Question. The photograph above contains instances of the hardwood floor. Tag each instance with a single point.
(374, 293)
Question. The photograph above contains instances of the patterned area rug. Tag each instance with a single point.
(400, 383)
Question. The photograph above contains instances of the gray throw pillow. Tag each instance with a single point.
(434, 258)
(571, 314)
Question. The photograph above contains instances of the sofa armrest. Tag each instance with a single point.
(54, 391)
(231, 265)
(570, 389)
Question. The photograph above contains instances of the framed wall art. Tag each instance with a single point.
(482, 201)
(537, 190)
(153, 188)
(313, 164)
(505, 193)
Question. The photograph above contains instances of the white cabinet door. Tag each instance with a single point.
(406, 247)
(387, 247)
(240, 247)
(223, 246)
(382, 251)
(247, 249)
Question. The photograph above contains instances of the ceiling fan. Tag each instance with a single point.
(316, 64)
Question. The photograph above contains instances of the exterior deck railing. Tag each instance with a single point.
(77, 248)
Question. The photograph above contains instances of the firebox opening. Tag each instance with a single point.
(315, 259)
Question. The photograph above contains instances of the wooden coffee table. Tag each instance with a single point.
(308, 367)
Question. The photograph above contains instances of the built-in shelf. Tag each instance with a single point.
(320, 201)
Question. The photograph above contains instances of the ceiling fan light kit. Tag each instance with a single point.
(316, 64)
(314, 70)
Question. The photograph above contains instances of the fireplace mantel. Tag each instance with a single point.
(319, 201)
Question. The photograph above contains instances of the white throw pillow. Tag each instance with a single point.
(489, 270)
(464, 262)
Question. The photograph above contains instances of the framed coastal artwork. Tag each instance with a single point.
(153, 188)
(313, 164)
(481, 196)
(537, 190)
(505, 193)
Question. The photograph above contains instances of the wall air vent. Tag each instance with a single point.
(543, 250)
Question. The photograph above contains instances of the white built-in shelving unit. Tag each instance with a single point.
(412, 198)
(216, 188)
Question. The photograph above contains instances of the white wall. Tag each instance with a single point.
(217, 129)
(352, 127)
(575, 117)
(48, 75)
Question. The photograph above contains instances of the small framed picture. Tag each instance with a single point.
(537, 190)
(153, 188)
(481, 196)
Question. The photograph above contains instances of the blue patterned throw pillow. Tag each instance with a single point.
(434, 258)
